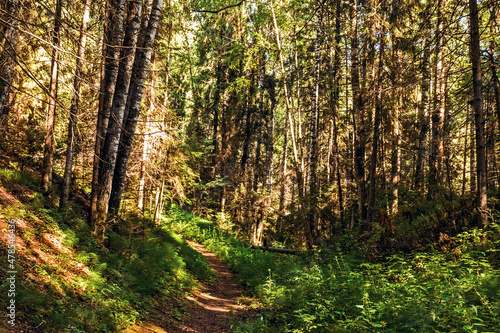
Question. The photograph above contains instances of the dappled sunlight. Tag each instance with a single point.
(206, 305)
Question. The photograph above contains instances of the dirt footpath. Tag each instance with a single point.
(208, 310)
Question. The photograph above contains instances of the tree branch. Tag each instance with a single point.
(219, 10)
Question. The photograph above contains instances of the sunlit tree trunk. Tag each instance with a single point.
(423, 114)
(335, 104)
(288, 119)
(7, 58)
(359, 115)
(396, 135)
(376, 123)
(48, 150)
(438, 114)
(472, 170)
(75, 100)
(110, 147)
(475, 55)
(464, 166)
(258, 126)
(141, 65)
(113, 32)
(142, 175)
(494, 74)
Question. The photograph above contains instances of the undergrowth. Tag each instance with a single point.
(80, 285)
(325, 291)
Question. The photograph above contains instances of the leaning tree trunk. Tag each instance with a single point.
(7, 58)
(288, 121)
(113, 32)
(475, 55)
(75, 100)
(143, 58)
(48, 150)
(110, 148)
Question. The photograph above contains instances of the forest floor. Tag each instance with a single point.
(209, 310)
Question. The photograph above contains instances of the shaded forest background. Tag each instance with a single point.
(297, 124)
(339, 156)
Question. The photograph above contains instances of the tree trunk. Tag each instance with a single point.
(396, 134)
(48, 150)
(142, 176)
(7, 58)
(248, 109)
(313, 141)
(335, 105)
(438, 114)
(359, 115)
(288, 120)
(75, 100)
(142, 60)
(270, 137)
(159, 203)
(494, 75)
(423, 111)
(472, 171)
(258, 125)
(376, 124)
(110, 147)
(475, 55)
(467, 121)
(113, 32)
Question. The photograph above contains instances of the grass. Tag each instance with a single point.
(69, 283)
(455, 291)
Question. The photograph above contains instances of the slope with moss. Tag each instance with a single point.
(67, 282)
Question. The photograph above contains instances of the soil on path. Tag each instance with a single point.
(208, 310)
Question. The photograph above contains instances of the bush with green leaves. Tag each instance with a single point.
(335, 291)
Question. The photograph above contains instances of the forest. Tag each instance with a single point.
(250, 166)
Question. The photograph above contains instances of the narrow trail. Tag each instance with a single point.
(208, 310)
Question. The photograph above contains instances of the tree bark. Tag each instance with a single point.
(396, 135)
(7, 58)
(248, 128)
(142, 175)
(270, 137)
(376, 124)
(142, 60)
(473, 169)
(110, 147)
(359, 115)
(475, 55)
(313, 134)
(113, 32)
(423, 111)
(494, 74)
(258, 125)
(75, 101)
(48, 150)
(335, 110)
(438, 114)
(288, 120)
